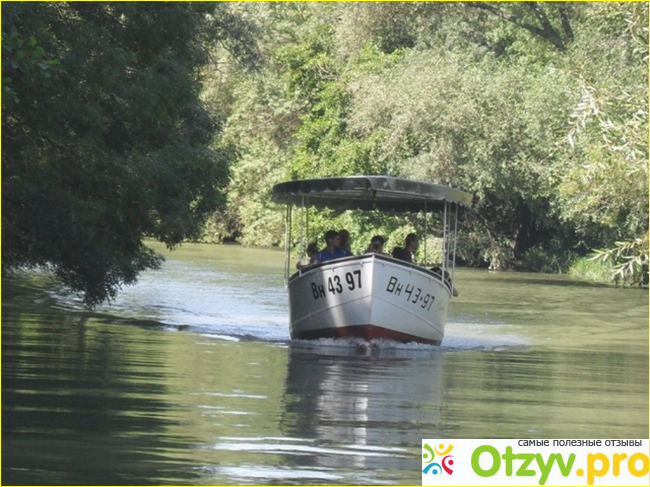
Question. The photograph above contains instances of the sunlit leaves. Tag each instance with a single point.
(538, 109)
(629, 260)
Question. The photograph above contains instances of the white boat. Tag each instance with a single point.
(372, 296)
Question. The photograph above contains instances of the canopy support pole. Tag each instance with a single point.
(287, 244)
(426, 231)
(306, 222)
(302, 238)
(453, 255)
(445, 243)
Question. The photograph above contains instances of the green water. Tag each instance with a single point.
(190, 378)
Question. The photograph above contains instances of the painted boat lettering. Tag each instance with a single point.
(336, 285)
(411, 293)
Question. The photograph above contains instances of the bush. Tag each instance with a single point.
(550, 261)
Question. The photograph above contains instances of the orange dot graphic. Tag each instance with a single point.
(580, 472)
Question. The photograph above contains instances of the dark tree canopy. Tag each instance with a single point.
(104, 138)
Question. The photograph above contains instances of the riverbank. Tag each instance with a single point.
(580, 268)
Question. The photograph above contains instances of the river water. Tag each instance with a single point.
(189, 378)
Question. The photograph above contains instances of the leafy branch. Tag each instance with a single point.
(628, 260)
(543, 27)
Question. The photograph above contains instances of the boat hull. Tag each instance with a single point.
(371, 297)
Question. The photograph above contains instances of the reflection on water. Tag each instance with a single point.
(72, 395)
(374, 404)
(170, 385)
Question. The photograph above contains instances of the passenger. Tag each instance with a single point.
(411, 245)
(438, 270)
(332, 248)
(376, 245)
(345, 241)
(312, 254)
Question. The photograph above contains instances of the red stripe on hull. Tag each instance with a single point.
(367, 332)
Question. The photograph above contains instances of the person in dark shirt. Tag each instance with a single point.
(345, 241)
(447, 278)
(332, 248)
(411, 245)
(312, 254)
(376, 245)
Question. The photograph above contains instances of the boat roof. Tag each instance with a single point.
(383, 193)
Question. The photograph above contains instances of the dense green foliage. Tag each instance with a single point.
(125, 120)
(540, 109)
(104, 138)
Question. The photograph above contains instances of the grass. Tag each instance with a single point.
(590, 270)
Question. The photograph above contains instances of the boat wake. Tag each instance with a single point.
(270, 324)
(483, 336)
(458, 337)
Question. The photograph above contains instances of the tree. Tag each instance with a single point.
(494, 98)
(603, 185)
(547, 20)
(104, 138)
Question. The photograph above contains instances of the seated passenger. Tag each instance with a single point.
(345, 241)
(312, 253)
(376, 245)
(447, 279)
(332, 248)
(411, 245)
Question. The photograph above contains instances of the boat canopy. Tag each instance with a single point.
(382, 193)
